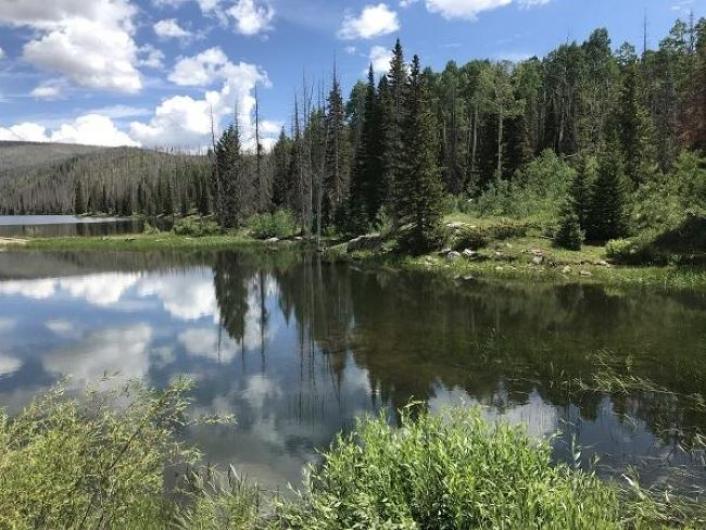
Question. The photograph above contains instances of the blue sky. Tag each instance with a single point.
(149, 72)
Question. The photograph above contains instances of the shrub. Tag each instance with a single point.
(92, 462)
(196, 227)
(150, 230)
(454, 470)
(280, 224)
(569, 234)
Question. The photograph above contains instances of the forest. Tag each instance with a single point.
(592, 142)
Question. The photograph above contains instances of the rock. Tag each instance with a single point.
(536, 252)
(603, 263)
(453, 256)
(366, 242)
(470, 254)
(468, 278)
(566, 270)
(498, 254)
(299, 238)
(455, 226)
(538, 260)
(444, 251)
(587, 274)
(272, 240)
(499, 268)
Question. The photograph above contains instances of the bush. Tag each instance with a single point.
(454, 470)
(150, 230)
(93, 462)
(196, 227)
(569, 234)
(535, 190)
(280, 224)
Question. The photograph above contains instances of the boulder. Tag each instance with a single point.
(453, 256)
(470, 254)
(566, 270)
(586, 274)
(272, 240)
(538, 260)
(366, 242)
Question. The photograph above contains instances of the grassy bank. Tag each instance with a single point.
(97, 461)
(495, 249)
(502, 249)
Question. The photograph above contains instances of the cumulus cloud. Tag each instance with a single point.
(252, 17)
(373, 21)
(9, 365)
(151, 57)
(469, 9)
(170, 29)
(380, 58)
(2, 53)
(183, 297)
(49, 90)
(90, 129)
(185, 120)
(90, 42)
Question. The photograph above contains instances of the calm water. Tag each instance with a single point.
(66, 225)
(297, 349)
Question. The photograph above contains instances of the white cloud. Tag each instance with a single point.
(186, 121)
(209, 344)
(380, 58)
(34, 289)
(373, 21)
(90, 129)
(89, 42)
(170, 29)
(49, 90)
(99, 289)
(252, 17)
(201, 70)
(2, 54)
(151, 57)
(469, 9)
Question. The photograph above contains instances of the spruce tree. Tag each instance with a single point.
(394, 120)
(282, 181)
(231, 189)
(421, 181)
(607, 213)
(366, 186)
(337, 147)
(569, 235)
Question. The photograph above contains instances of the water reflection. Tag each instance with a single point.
(298, 348)
(69, 225)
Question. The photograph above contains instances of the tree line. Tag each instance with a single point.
(401, 144)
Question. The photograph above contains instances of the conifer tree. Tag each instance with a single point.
(231, 188)
(282, 182)
(607, 214)
(394, 106)
(421, 179)
(580, 189)
(337, 158)
(367, 187)
(569, 235)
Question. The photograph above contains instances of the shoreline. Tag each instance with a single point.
(523, 259)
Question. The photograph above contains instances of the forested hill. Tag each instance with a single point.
(46, 178)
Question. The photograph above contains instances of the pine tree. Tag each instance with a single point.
(367, 187)
(337, 173)
(580, 190)
(569, 235)
(394, 105)
(230, 172)
(607, 216)
(421, 180)
(282, 178)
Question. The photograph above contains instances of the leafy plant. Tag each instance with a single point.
(280, 224)
(196, 227)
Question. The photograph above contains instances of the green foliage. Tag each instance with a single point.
(453, 470)
(92, 462)
(150, 230)
(280, 224)
(537, 190)
(196, 227)
(607, 214)
(569, 235)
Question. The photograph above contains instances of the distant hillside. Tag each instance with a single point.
(15, 155)
(46, 178)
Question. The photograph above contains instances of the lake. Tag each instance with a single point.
(68, 225)
(298, 348)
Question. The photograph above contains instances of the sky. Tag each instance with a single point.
(152, 72)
